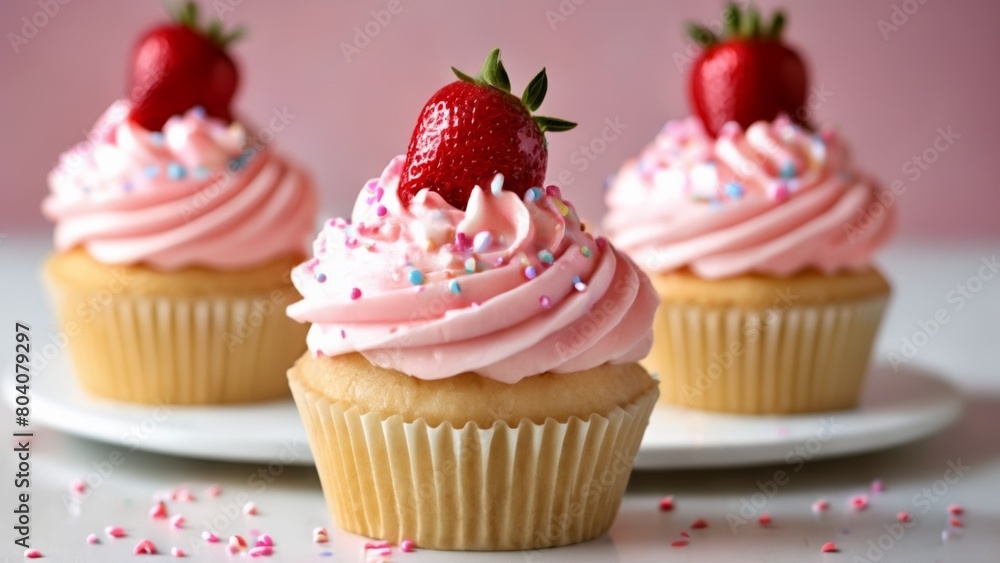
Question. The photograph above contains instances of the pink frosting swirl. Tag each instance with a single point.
(774, 200)
(507, 289)
(199, 193)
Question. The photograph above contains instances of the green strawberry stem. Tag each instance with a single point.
(187, 15)
(739, 25)
(494, 75)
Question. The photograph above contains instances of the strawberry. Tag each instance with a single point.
(473, 129)
(178, 66)
(748, 75)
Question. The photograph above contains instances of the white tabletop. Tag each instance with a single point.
(919, 478)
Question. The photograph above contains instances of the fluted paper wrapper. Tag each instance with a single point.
(764, 361)
(470, 488)
(180, 350)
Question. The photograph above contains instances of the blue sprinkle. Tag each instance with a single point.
(321, 278)
(533, 194)
(325, 553)
(453, 286)
(576, 280)
(545, 256)
(175, 171)
(416, 277)
(530, 272)
(127, 186)
(200, 172)
(156, 138)
(788, 169)
(470, 266)
(151, 171)
(733, 190)
(198, 112)
(497, 184)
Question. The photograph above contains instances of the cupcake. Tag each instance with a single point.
(472, 379)
(758, 235)
(176, 228)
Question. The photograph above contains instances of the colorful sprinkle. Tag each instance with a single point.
(407, 546)
(533, 194)
(415, 276)
(904, 517)
(553, 191)
(585, 250)
(859, 502)
(177, 521)
(733, 190)
(210, 537)
(156, 138)
(182, 495)
(777, 191)
(545, 302)
(530, 273)
(32, 554)
(955, 510)
(685, 535)
(820, 505)
(321, 277)
(601, 243)
(496, 186)
(699, 524)
(92, 539)
(175, 171)
(377, 544)
(237, 543)
(159, 510)
(482, 241)
(578, 284)
(788, 169)
(945, 535)
(454, 287)
(144, 547)
(679, 543)
(764, 520)
(956, 523)
(78, 486)
(250, 508)
(355, 293)
(198, 112)
(265, 541)
(177, 552)
(151, 171)
(829, 547)
(461, 242)
(545, 256)
(381, 211)
(877, 486)
(667, 503)
(470, 265)
(200, 172)
(261, 551)
(114, 532)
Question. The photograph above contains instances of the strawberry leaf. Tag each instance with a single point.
(534, 93)
(464, 77)
(552, 124)
(701, 35)
(732, 20)
(753, 23)
(493, 72)
(777, 25)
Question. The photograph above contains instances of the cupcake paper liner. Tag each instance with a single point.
(533, 485)
(764, 361)
(181, 350)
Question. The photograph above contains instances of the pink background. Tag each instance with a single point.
(605, 60)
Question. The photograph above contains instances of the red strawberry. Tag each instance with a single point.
(473, 129)
(178, 66)
(749, 75)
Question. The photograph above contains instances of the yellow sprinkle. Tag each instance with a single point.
(562, 207)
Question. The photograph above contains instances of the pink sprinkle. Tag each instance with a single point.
(265, 541)
(955, 510)
(956, 523)
(214, 491)
(553, 191)
(92, 539)
(250, 509)
(877, 486)
(261, 551)
(829, 547)
(765, 519)
(545, 302)
(78, 486)
(377, 544)
(667, 503)
(321, 538)
(820, 506)
(381, 211)
(114, 532)
(699, 524)
(778, 191)
(860, 502)
(319, 531)
(355, 293)
(210, 537)
(685, 535)
(182, 495)
(32, 553)
(407, 546)
(237, 543)
(177, 521)
(177, 552)
(159, 510)
(679, 543)
(904, 517)
(145, 547)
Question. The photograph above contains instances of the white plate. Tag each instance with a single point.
(896, 408)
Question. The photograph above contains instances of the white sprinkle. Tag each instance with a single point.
(497, 184)
(481, 242)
